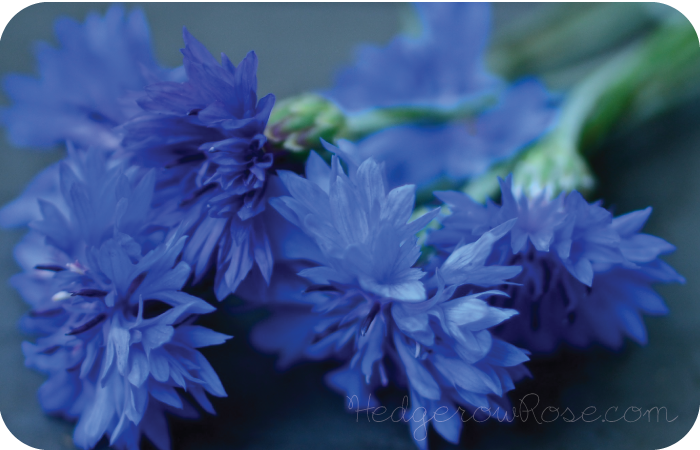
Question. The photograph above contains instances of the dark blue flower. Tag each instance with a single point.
(205, 137)
(586, 276)
(442, 72)
(83, 88)
(366, 303)
(115, 331)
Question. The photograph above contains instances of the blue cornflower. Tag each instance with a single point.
(586, 276)
(442, 67)
(83, 89)
(86, 88)
(115, 331)
(205, 137)
(442, 71)
(367, 304)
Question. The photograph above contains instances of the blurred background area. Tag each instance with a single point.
(650, 155)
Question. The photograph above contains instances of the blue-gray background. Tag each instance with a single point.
(299, 47)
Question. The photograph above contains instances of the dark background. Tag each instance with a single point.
(299, 47)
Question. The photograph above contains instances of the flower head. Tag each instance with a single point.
(442, 67)
(116, 333)
(367, 304)
(354, 220)
(469, 118)
(83, 88)
(586, 276)
(206, 137)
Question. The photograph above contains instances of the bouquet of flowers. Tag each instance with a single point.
(425, 223)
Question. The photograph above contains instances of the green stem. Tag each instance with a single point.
(593, 107)
(370, 121)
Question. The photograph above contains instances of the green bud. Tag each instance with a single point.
(552, 167)
(298, 123)
(547, 166)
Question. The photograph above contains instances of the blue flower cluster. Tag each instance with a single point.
(170, 184)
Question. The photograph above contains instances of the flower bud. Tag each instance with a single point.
(300, 122)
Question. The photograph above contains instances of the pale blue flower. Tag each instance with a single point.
(587, 277)
(367, 304)
(84, 86)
